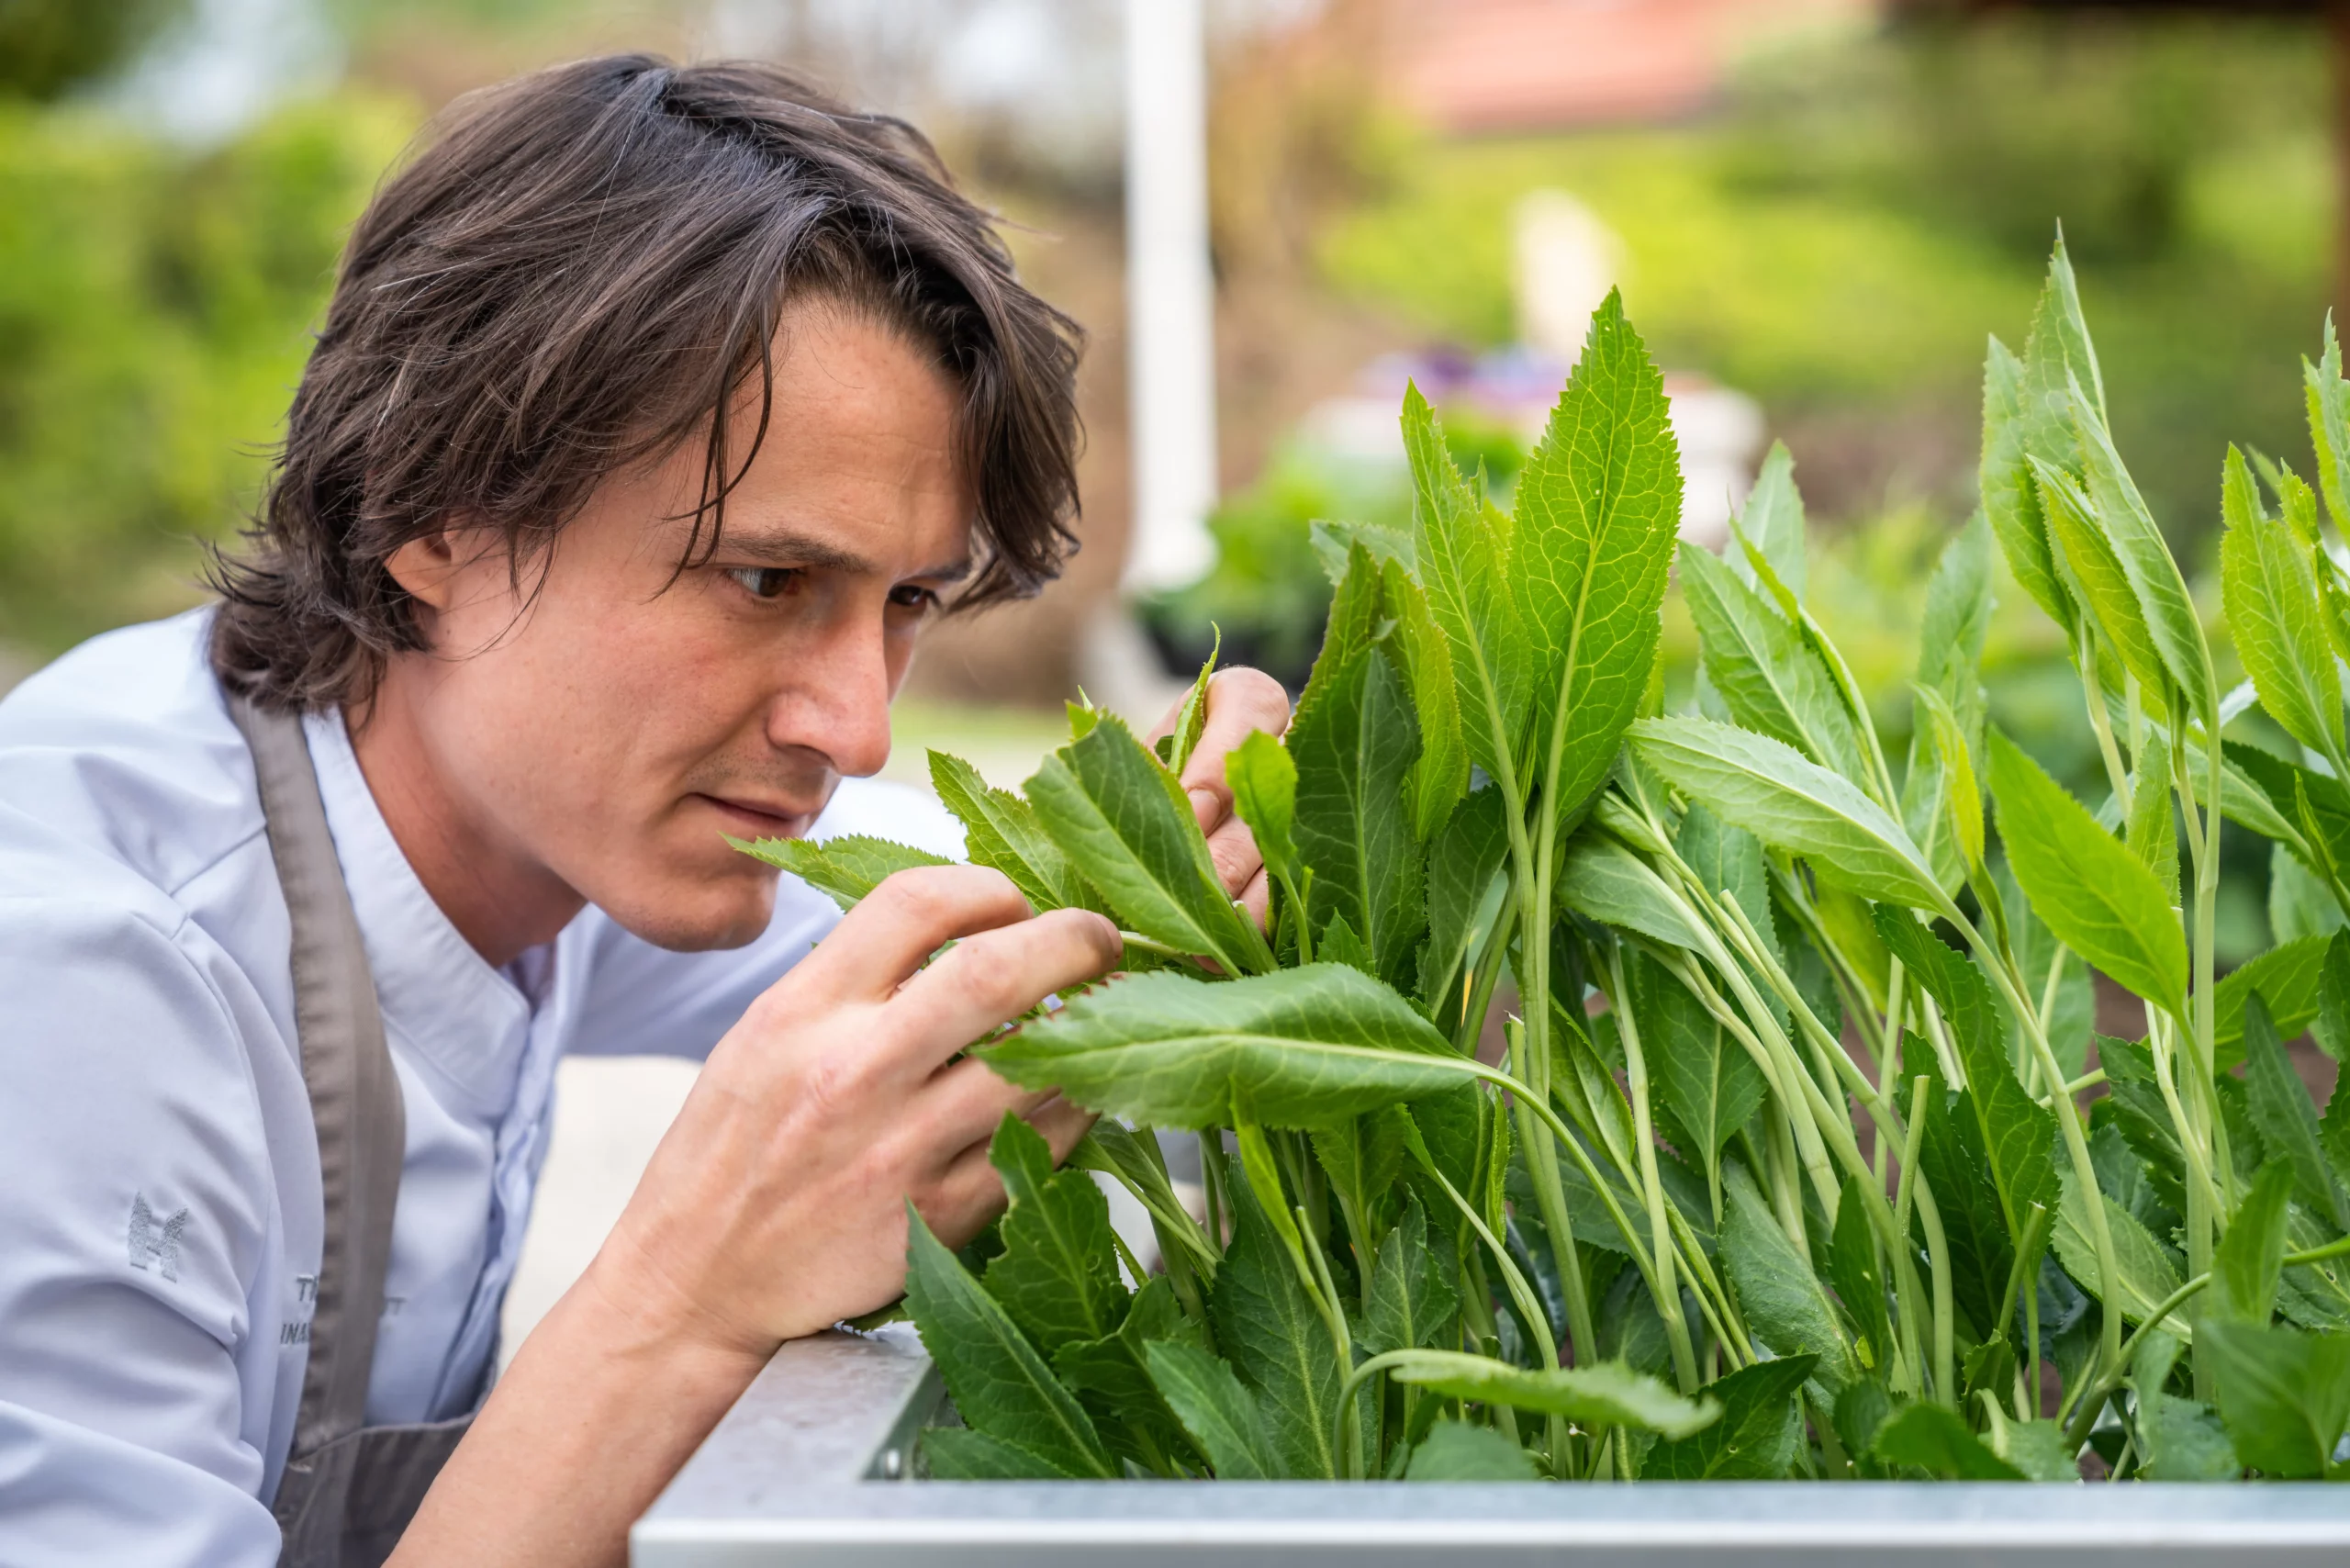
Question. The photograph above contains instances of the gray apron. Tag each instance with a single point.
(348, 1490)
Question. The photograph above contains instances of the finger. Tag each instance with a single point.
(1240, 702)
(996, 976)
(910, 916)
(1061, 1123)
(1256, 899)
(963, 1103)
(1232, 849)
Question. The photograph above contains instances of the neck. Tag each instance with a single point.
(501, 900)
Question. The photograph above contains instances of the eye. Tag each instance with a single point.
(912, 596)
(765, 582)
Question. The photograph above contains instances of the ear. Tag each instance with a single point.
(426, 569)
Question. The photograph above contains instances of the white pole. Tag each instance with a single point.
(1171, 303)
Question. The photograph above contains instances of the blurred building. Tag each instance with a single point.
(1502, 65)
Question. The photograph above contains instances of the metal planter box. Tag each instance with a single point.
(811, 1466)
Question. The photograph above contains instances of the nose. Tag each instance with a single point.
(835, 699)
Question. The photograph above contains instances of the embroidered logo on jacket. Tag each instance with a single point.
(155, 1243)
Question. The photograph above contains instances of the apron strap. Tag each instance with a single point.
(354, 1097)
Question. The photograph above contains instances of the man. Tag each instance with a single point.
(654, 412)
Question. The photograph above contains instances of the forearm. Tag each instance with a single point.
(597, 1411)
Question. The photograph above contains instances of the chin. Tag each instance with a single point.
(698, 916)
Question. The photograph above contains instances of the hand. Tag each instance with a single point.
(776, 1204)
(1240, 702)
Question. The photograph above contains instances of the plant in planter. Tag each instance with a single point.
(1782, 1169)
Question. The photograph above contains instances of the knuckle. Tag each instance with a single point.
(1254, 693)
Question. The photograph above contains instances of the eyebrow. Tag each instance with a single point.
(786, 547)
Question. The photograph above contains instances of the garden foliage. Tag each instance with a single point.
(1778, 1163)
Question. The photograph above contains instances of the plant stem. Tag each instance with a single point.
(1635, 1072)
(2000, 964)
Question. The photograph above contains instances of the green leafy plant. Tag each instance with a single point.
(1782, 1166)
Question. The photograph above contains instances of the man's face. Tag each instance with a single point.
(614, 721)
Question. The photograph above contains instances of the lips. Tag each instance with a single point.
(758, 820)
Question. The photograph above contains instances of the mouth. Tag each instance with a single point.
(747, 819)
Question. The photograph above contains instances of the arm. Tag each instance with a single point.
(136, 1361)
(774, 1207)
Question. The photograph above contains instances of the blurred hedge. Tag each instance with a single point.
(154, 312)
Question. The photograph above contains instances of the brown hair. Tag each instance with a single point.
(585, 270)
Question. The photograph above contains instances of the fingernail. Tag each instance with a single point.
(1205, 805)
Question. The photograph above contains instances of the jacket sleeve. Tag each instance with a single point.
(137, 1214)
(642, 1000)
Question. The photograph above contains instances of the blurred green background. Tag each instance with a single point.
(1833, 233)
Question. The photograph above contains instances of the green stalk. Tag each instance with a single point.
(2203, 1225)
(1635, 1072)
(1350, 1416)
(2000, 964)
(1929, 1220)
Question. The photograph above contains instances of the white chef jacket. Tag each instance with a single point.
(159, 1203)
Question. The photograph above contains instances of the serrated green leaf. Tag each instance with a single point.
(2145, 1276)
(2094, 577)
(2091, 891)
(2329, 408)
(960, 1453)
(1600, 879)
(2330, 1024)
(1704, 1076)
(1263, 781)
(2183, 1440)
(1110, 1379)
(1771, 521)
(1001, 1385)
(1963, 796)
(2287, 1120)
(1930, 1438)
(1791, 805)
(2298, 904)
(1597, 509)
(1767, 676)
(1780, 1297)
(1355, 741)
(1058, 1274)
(2073, 1021)
(1222, 1416)
(1116, 813)
(1304, 1047)
(2151, 831)
(2287, 978)
(1001, 830)
(1276, 1339)
(1463, 863)
(2155, 579)
(1440, 775)
(2058, 357)
(2275, 618)
(1411, 1298)
(2010, 497)
(2250, 1256)
(846, 869)
(1608, 1393)
(1463, 563)
(2013, 1133)
(2284, 1394)
(1455, 1450)
(1757, 1437)
(1859, 1282)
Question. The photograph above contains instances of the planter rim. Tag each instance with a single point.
(802, 1469)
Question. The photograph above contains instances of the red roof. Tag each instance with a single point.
(1484, 65)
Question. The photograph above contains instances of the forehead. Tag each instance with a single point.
(860, 465)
